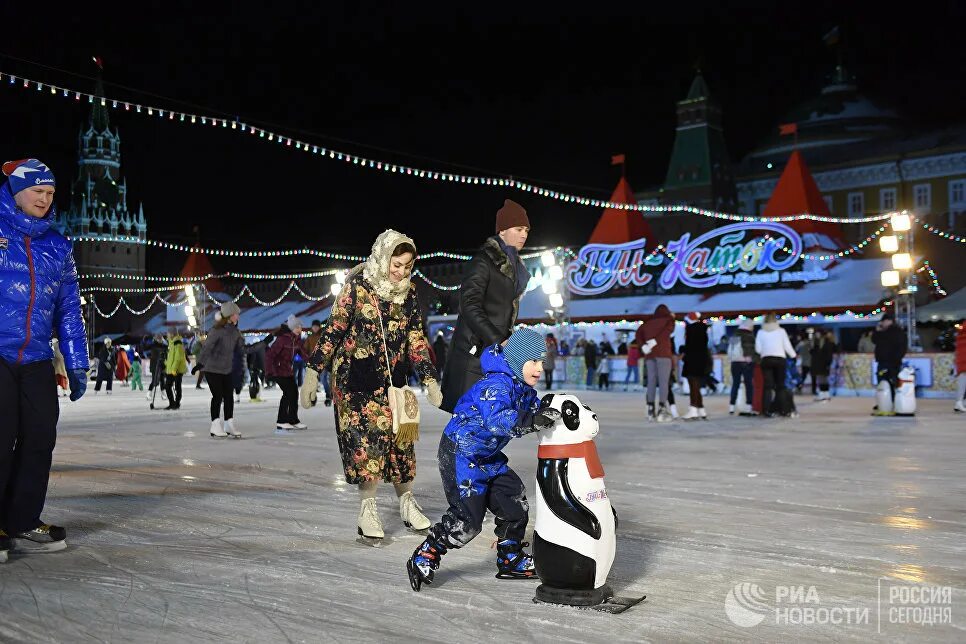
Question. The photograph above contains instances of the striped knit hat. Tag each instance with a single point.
(524, 345)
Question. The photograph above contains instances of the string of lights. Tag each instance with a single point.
(237, 126)
(941, 233)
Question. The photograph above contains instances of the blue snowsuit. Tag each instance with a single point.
(473, 468)
(38, 298)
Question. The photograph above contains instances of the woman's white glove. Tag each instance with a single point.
(433, 393)
(310, 387)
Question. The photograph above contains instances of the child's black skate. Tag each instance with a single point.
(423, 564)
(512, 562)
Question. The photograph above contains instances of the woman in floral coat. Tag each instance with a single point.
(352, 347)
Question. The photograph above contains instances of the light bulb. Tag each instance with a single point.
(547, 258)
(890, 278)
(340, 277)
(556, 300)
(556, 272)
(549, 287)
(335, 289)
(889, 244)
(189, 310)
(902, 261)
(901, 222)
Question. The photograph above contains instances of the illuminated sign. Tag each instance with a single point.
(727, 255)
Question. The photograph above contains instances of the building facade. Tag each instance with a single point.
(99, 208)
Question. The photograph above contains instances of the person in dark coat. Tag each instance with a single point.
(890, 348)
(590, 361)
(106, 361)
(440, 349)
(697, 362)
(280, 362)
(255, 355)
(654, 338)
(489, 301)
(824, 349)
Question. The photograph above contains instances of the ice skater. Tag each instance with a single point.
(216, 359)
(105, 367)
(473, 467)
(375, 327)
(40, 259)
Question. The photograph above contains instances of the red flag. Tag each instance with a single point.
(99, 62)
(787, 128)
(617, 159)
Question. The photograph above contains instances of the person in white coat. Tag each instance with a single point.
(773, 345)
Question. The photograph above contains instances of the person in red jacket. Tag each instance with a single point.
(654, 338)
(960, 368)
(279, 365)
(633, 358)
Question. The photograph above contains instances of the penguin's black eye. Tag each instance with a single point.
(571, 415)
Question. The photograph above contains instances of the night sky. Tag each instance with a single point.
(498, 89)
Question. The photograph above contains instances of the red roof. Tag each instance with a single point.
(196, 265)
(797, 193)
(620, 226)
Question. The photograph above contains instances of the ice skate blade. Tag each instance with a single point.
(420, 531)
(517, 575)
(32, 547)
(373, 542)
(613, 605)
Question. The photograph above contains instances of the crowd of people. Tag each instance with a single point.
(367, 357)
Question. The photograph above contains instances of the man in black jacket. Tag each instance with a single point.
(489, 301)
(890, 349)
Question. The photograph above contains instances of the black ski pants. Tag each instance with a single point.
(219, 384)
(28, 430)
(288, 406)
(471, 491)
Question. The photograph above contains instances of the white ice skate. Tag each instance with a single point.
(663, 415)
(702, 414)
(216, 429)
(369, 526)
(959, 407)
(411, 514)
(300, 425)
(692, 414)
(230, 429)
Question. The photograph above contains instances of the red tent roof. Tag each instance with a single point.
(620, 226)
(797, 193)
(196, 265)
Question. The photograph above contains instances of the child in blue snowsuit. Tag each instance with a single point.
(476, 478)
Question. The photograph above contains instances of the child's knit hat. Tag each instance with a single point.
(524, 345)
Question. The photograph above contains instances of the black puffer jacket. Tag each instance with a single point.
(488, 310)
(697, 358)
(890, 346)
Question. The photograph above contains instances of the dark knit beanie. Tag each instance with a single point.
(524, 345)
(511, 215)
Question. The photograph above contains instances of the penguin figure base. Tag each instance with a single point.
(600, 599)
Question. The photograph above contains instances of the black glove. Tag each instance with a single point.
(546, 418)
(543, 419)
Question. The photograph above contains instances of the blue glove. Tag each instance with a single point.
(77, 379)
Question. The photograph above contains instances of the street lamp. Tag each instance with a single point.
(902, 262)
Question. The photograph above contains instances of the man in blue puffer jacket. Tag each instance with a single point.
(39, 298)
(476, 477)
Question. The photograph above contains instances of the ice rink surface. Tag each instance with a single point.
(178, 537)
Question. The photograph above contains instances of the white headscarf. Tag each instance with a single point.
(376, 268)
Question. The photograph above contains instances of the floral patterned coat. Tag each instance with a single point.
(351, 346)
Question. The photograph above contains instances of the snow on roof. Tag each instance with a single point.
(851, 284)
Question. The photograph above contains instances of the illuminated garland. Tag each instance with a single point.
(932, 275)
(302, 146)
(787, 317)
(183, 279)
(940, 233)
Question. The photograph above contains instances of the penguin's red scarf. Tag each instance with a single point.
(586, 450)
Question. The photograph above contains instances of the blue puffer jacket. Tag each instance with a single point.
(497, 408)
(39, 295)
